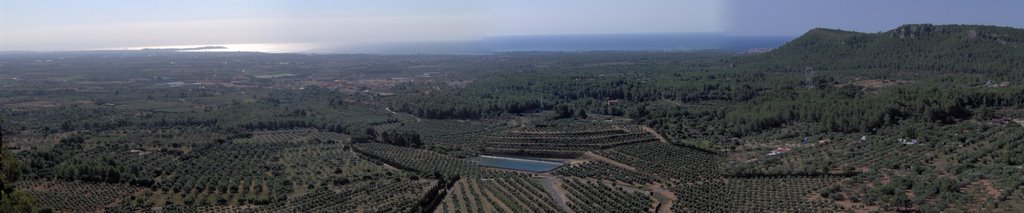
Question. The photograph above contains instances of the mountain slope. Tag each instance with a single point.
(964, 48)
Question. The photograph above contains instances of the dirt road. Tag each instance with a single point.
(552, 186)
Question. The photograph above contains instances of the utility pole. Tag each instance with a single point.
(808, 76)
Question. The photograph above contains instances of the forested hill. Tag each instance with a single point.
(920, 47)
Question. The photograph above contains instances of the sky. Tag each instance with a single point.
(108, 24)
(794, 17)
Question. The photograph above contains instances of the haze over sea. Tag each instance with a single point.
(552, 43)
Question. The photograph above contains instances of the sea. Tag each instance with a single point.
(498, 44)
(576, 43)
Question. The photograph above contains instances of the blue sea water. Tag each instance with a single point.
(532, 43)
(632, 42)
(573, 43)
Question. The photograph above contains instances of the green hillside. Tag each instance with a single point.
(921, 47)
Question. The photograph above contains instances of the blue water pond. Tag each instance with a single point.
(520, 164)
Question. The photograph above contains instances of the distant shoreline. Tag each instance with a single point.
(658, 42)
(186, 49)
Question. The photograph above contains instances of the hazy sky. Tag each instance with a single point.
(794, 17)
(70, 24)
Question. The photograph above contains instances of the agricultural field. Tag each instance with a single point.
(663, 160)
(589, 196)
(426, 161)
(77, 196)
(564, 139)
(605, 171)
(595, 131)
(783, 194)
(371, 196)
(497, 195)
(454, 135)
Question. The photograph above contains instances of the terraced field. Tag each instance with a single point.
(780, 194)
(497, 195)
(77, 196)
(370, 196)
(593, 196)
(604, 171)
(425, 161)
(668, 161)
(564, 141)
